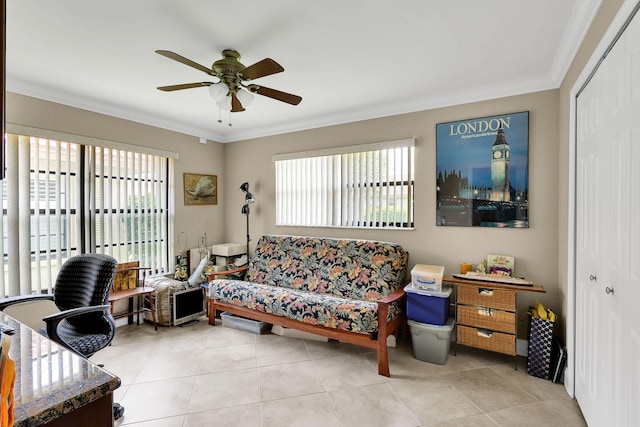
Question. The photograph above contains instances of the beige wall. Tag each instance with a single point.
(535, 248)
(540, 250)
(208, 158)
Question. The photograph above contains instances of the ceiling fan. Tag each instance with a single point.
(233, 90)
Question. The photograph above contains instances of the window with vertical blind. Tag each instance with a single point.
(363, 186)
(65, 198)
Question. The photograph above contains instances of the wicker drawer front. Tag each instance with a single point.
(496, 341)
(504, 299)
(488, 318)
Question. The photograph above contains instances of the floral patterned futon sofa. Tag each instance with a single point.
(348, 290)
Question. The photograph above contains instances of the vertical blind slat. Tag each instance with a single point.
(13, 239)
(46, 145)
(58, 201)
(109, 203)
(24, 212)
(67, 200)
(119, 205)
(35, 160)
(151, 191)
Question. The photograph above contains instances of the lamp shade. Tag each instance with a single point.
(218, 91)
(225, 104)
(245, 210)
(248, 198)
(245, 97)
(244, 187)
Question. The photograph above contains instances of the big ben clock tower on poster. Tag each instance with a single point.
(500, 153)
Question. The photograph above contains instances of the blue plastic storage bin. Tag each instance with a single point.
(425, 306)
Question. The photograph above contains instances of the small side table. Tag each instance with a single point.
(138, 293)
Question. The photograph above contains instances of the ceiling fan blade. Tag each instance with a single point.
(183, 60)
(236, 105)
(184, 86)
(276, 94)
(262, 68)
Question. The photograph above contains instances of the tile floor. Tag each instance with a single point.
(216, 376)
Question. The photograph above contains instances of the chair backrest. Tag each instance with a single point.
(84, 280)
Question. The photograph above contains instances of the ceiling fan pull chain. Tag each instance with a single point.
(219, 114)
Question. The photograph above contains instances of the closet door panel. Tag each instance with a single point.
(608, 238)
(632, 264)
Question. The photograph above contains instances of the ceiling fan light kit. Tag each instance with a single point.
(232, 92)
(225, 104)
(245, 97)
(218, 91)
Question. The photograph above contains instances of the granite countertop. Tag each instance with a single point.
(51, 380)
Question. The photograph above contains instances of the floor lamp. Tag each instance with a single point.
(248, 199)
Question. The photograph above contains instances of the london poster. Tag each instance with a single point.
(482, 172)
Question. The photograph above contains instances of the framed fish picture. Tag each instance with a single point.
(200, 189)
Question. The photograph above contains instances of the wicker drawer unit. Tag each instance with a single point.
(487, 340)
(486, 318)
(486, 315)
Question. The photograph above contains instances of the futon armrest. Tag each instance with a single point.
(384, 304)
(6, 302)
(212, 276)
(394, 296)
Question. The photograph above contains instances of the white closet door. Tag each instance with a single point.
(608, 238)
(591, 248)
(631, 270)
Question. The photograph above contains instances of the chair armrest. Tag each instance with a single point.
(58, 317)
(54, 319)
(212, 276)
(6, 302)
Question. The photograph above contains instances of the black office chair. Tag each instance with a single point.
(83, 322)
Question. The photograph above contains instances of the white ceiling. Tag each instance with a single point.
(348, 59)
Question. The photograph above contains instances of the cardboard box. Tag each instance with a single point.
(229, 249)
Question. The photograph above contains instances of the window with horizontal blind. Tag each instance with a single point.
(364, 186)
(62, 198)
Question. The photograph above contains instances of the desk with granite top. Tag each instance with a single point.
(55, 386)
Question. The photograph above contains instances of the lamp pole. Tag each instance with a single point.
(248, 199)
(245, 211)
